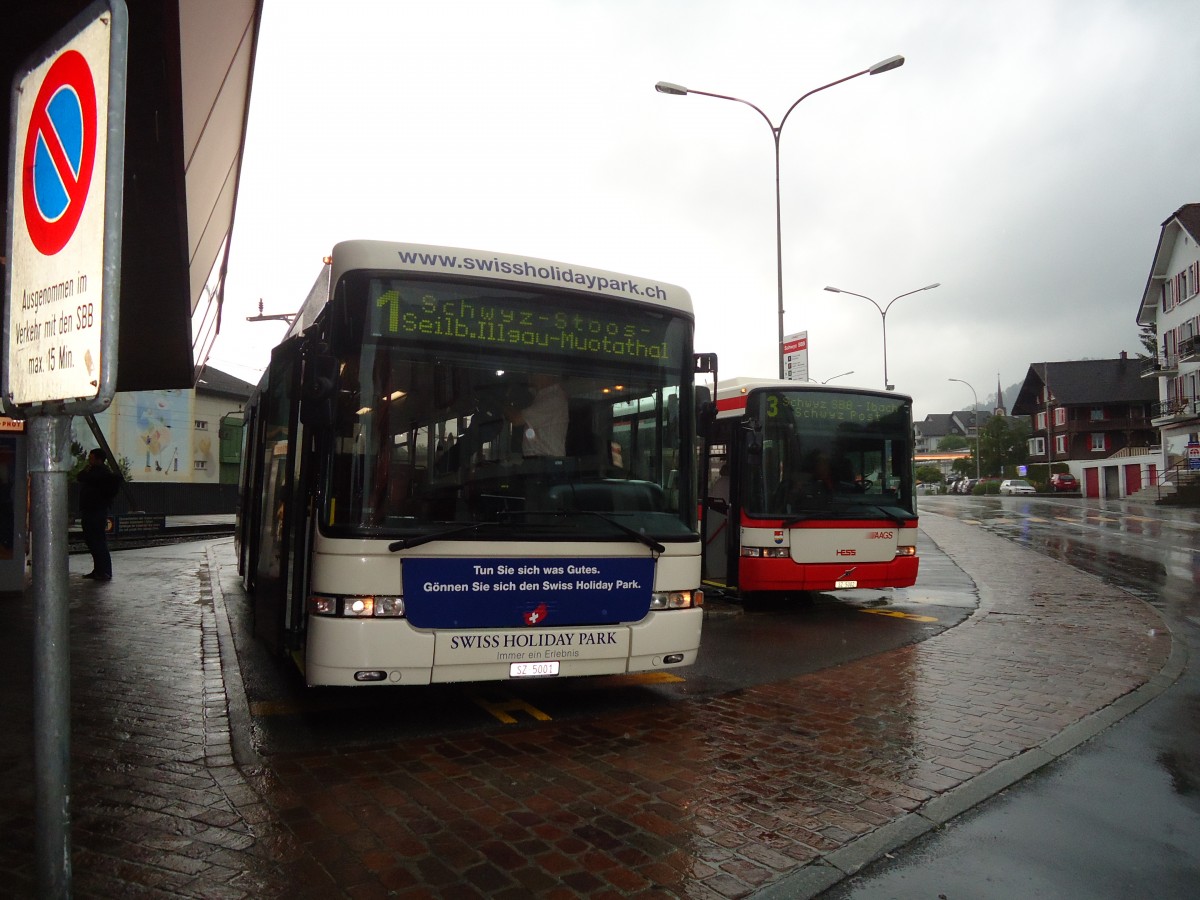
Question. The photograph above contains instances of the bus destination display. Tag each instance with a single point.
(516, 321)
(830, 407)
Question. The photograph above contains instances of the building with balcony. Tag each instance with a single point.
(1171, 306)
(1094, 415)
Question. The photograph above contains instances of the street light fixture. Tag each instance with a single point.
(883, 311)
(666, 87)
(974, 421)
(843, 375)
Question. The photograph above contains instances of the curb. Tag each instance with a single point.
(828, 870)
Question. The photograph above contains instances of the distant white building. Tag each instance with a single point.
(1170, 305)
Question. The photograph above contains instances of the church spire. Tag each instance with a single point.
(999, 410)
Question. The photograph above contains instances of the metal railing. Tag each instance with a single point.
(1178, 476)
(1176, 408)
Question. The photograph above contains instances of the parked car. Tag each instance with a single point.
(1016, 486)
(1064, 481)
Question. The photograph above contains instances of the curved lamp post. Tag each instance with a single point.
(883, 311)
(666, 87)
(974, 421)
(831, 377)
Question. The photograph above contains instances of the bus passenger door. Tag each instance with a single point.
(719, 516)
(277, 461)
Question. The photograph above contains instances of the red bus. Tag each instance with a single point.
(808, 487)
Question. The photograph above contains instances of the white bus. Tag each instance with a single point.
(467, 466)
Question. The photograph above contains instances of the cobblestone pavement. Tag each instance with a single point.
(778, 790)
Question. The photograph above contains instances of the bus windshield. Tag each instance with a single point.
(827, 454)
(472, 412)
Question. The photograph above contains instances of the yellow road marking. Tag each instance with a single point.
(896, 614)
(502, 706)
(643, 678)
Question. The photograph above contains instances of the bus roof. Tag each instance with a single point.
(732, 392)
(480, 264)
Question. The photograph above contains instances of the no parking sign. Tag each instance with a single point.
(66, 176)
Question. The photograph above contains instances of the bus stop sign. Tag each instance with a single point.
(66, 177)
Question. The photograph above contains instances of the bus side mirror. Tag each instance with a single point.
(319, 388)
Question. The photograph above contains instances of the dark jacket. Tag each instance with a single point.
(98, 485)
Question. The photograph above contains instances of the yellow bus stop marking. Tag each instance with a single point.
(502, 706)
(896, 614)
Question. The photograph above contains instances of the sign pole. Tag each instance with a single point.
(49, 437)
(62, 287)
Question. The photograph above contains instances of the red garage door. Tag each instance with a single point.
(1133, 479)
(1091, 482)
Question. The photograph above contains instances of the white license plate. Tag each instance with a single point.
(533, 669)
(838, 585)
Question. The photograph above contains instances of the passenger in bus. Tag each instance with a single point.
(544, 419)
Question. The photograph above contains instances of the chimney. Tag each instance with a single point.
(1124, 355)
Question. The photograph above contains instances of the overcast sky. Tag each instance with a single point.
(1024, 157)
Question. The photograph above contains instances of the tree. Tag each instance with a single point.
(929, 474)
(954, 442)
(1003, 442)
(1149, 338)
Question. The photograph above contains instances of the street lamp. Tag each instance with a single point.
(883, 311)
(843, 375)
(666, 87)
(974, 421)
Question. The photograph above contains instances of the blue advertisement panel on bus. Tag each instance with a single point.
(492, 592)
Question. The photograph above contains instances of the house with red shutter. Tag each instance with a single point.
(1171, 306)
(1095, 417)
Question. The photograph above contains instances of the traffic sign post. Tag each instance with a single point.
(63, 246)
(66, 176)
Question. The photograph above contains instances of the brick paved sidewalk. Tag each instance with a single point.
(780, 789)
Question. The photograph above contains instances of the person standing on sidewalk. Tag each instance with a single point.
(98, 485)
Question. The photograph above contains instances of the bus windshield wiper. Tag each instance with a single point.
(842, 512)
(416, 541)
(620, 526)
(893, 515)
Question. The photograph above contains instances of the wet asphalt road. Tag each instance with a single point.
(1120, 816)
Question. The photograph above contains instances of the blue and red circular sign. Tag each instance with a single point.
(60, 153)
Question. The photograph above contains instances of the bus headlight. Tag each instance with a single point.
(677, 599)
(322, 605)
(903, 550)
(765, 552)
(362, 606)
(392, 607)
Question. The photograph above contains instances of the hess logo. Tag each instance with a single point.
(847, 552)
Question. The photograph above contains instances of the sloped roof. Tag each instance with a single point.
(934, 425)
(214, 381)
(966, 419)
(1086, 381)
(1186, 219)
